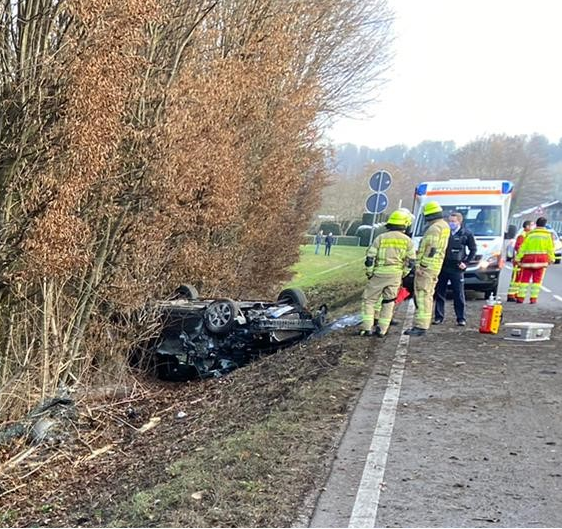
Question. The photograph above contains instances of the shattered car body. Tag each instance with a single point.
(201, 338)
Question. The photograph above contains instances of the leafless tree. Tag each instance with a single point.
(520, 159)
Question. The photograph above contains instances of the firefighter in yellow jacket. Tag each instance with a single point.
(431, 254)
(388, 260)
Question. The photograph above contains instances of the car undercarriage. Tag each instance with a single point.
(202, 338)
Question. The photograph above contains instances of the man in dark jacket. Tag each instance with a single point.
(454, 265)
(328, 241)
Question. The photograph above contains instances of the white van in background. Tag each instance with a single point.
(484, 205)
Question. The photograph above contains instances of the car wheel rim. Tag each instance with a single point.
(220, 315)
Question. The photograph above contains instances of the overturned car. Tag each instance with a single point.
(202, 338)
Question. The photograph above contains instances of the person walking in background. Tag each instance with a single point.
(430, 258)
(328, 241)
(388, 260)
(318, 241)
(533, 257)
(455, 263)
(514, 284)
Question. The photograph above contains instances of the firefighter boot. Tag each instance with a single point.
(415, 331)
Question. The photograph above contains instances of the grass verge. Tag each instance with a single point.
(258, 474)
(345, 262)
(335, 280)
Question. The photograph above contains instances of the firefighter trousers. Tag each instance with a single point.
(378, 297)
(424, 290)
(513, 290)
(403, 295)
(530, 277)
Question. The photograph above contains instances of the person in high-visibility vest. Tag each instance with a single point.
(388, 260)
(534, 256)
(403, 293)
(513, 290)
(430, 258)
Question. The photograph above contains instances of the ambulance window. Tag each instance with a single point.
(420, 226)
(483, 221)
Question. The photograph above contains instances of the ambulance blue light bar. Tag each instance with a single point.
(507, 187)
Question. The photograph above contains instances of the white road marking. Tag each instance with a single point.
(559, 298)
(546, 289)
(364, 512)
(336, 267)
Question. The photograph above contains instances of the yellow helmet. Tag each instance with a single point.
(431, 208)
(399, 218)
(409, 215)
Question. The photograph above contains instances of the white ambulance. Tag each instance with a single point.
(484, 205)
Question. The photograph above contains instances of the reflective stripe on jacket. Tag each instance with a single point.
(391, 253)
(433, 245)
(537, 250)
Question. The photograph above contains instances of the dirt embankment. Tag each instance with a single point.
(243, 450)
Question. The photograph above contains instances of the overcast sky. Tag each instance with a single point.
(467, 68)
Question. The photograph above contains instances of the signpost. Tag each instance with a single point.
(378, 201)
(380, 181)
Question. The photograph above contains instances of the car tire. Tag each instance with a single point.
(186, 292)
(220, 316)
(557, 261)
(293, 296)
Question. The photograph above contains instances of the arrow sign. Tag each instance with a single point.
(380, 181)
(376, 203)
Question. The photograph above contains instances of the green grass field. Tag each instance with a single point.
(343, 266)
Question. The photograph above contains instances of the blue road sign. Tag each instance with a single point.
(380, 181)
(376, 203)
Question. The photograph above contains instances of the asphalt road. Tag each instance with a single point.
(456, 429)
(551, 293)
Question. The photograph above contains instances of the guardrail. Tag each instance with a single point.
(556, 224)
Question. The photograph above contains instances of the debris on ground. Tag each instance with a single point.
(47, 422)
